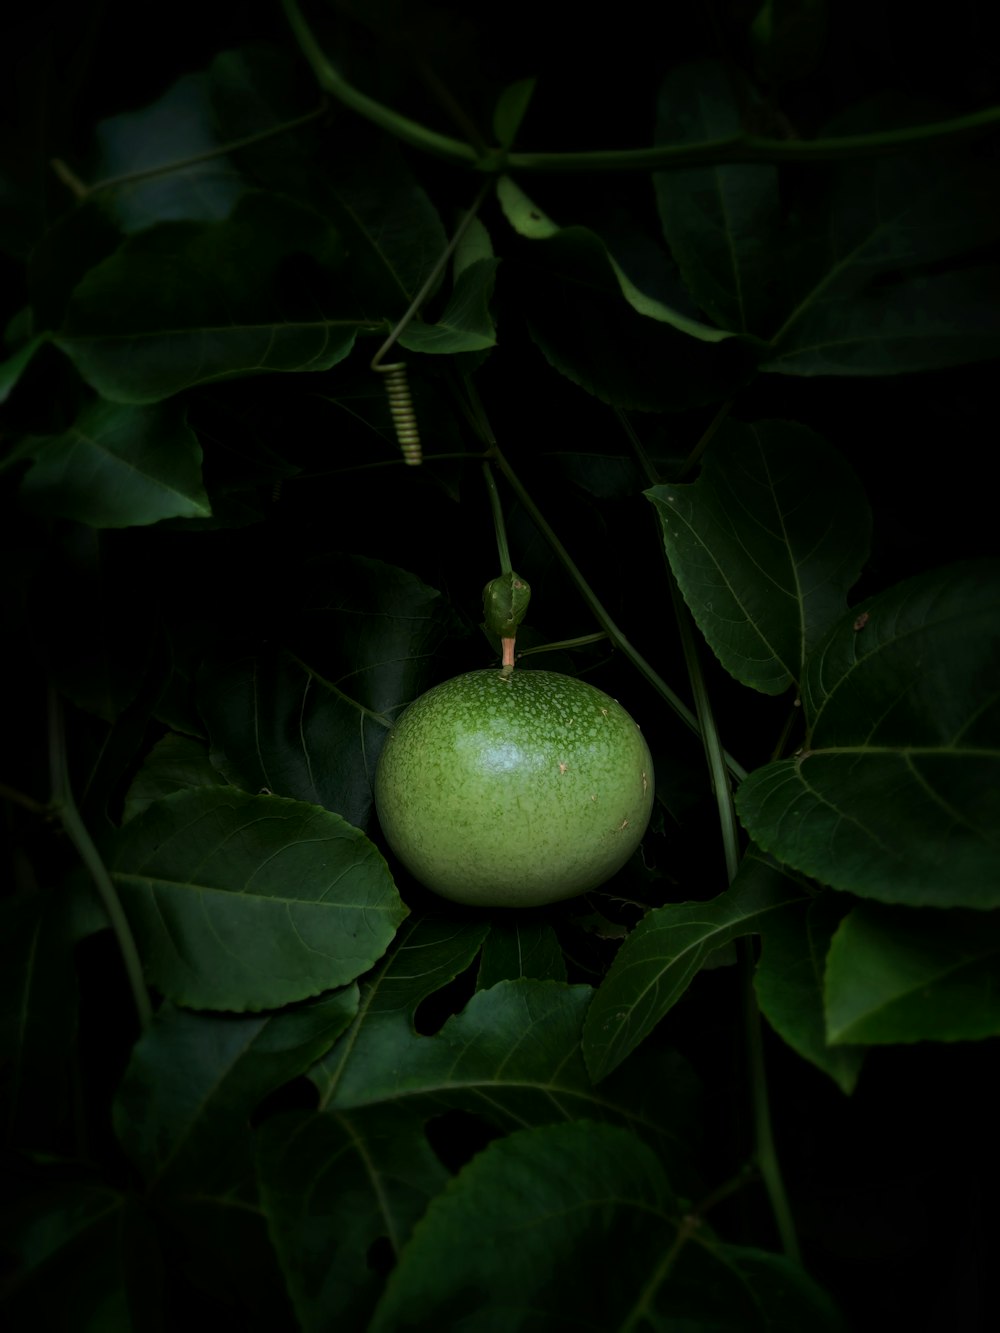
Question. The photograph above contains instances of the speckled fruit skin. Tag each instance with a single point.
(514, 791)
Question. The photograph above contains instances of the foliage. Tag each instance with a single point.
(731, 389)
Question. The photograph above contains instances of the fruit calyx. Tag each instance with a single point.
(505, 601)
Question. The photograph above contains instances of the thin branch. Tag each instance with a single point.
(600, 614)
(659, 157)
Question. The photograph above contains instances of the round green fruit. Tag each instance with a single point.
(514, 790)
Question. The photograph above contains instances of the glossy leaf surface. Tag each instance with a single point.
(249, 902)
(663, 954)
(895, 975)
(895, 794)
(765, 546)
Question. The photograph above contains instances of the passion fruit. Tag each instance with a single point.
(514, 789)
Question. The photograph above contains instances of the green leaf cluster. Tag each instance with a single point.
(733, 388)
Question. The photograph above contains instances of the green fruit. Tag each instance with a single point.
(514, 790)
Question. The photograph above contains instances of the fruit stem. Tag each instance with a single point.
(64, 806)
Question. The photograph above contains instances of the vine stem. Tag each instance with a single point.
(767, 1154)
(481, 423)
(660, 157)
(765, 1151)
(64, 807)
(503, 550)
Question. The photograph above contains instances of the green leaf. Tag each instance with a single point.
(597, 342)
(926, 322)
(117, 467)
(621, 1257)
(869, 295)
(390, 227)
(720, 222)
(426, 955)
(338, 1184)
(789, 985)
(251, 902)
(895, 794)
(520, 949)
(579, 247)
(177, 127)
(474, 245)
(14, 367)
(661, 957)
(466, 324)
(175, 763)
(336, 1188)
(512, 1056)
(510, 110)
(895, 975)
(630, 343)
(188, 303)
(312, 726)
(182, 1112)
(765, 545)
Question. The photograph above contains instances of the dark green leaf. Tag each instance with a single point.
(219, 1243)
(175, 129)
(466, 324)
(93, 634)
(38, 1010)
(720, 222)
(336, 1187)
(426, 955)
(390, 227)
(512, 1056)
(250, 902)
(520, 949)
(311, 726)
(789, 984)
(765, 545)
(789, 38)
(895, 975)
(927, 322)
(661, 957)
(623, 343)
(72, 245)
(895, 794)
(869, 296)
(175, 763)
(81, 1258)
(510, 110)
(188, 303)
(576, 1227)
(14, 367)
(581, 248)
(183, 1109)
(117, 467)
